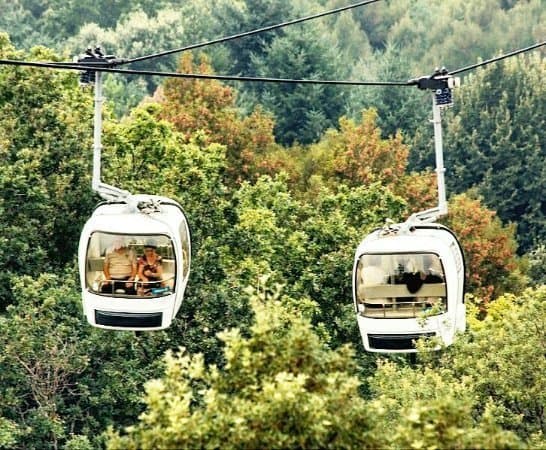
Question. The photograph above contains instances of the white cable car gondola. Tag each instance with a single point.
(403, 274)
(134, 304)
(122, 228)
(408, 279)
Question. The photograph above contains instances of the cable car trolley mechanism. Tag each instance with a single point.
(408, 278)
(134, 251)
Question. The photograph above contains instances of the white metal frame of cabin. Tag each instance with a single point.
(135, 312)
(393, 324)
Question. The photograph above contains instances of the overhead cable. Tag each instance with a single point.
(248, 33)
(65, 66)
(498, 58)
(80, 67)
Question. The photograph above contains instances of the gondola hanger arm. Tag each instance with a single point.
(97, 58)
(441, 82)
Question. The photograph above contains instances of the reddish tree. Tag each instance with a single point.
(418, 189)
(363, 156)
(209, 106)
(490, 247)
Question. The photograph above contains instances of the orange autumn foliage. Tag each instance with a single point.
(418, 189)
(355, 154)
(489, 246)
(209, 106)
(363, 156)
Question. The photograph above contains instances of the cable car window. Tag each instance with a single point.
(130, 265)
(401, 285)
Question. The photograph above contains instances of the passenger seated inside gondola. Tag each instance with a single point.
(409, 272)
(119, 269)
(399, 285)
(150, 269)
(416, 270)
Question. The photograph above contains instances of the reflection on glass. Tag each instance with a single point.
(130, 265)
(400, 285)
(184, 236)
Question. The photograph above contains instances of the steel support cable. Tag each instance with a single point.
(74, 66)
(247, 33)
(65, 66)
(498, 58)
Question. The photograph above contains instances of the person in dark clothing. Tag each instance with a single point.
(150, 269)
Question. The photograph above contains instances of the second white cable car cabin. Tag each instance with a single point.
(409, 279)
(128, 230)
(409, 283)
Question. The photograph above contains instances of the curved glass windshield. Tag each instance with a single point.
(130, 265)
(400, 285)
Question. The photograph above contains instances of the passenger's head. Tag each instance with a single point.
(414, 263)
(150, 246)
(118, 242)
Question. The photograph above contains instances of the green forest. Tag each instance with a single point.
(280, 183)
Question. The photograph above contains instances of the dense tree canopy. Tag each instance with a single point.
(44, 140)
(265, 351)
(281, 387)
(302, 112)
(209, 107)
